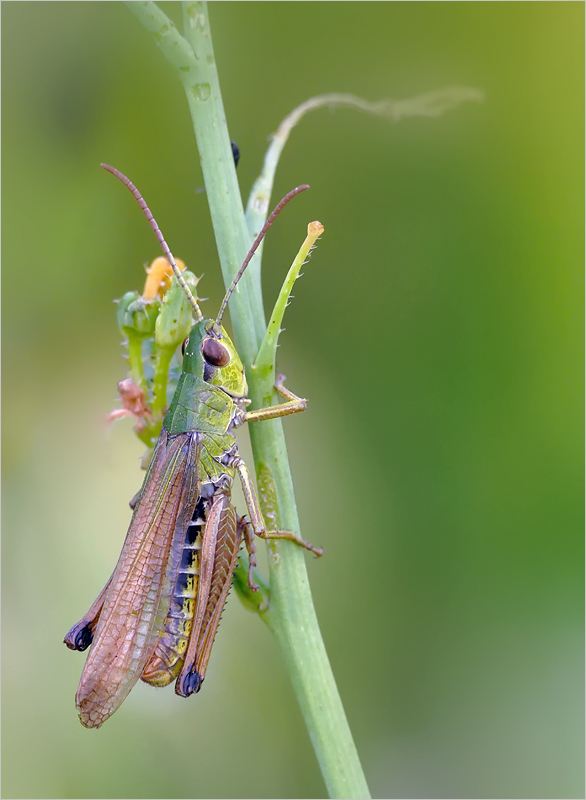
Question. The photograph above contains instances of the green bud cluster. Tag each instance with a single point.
(154, 330)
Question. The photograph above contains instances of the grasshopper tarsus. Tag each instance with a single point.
(281, 389)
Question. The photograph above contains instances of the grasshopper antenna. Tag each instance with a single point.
(254, 247)
(157, 231)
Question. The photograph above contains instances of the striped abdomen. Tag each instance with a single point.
(167, 660)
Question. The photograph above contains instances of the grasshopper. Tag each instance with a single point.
(157, 616)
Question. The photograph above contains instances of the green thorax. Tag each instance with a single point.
(203, 400)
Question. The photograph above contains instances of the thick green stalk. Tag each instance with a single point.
(291, 615)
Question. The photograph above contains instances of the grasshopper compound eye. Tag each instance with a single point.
(215, 353)
(184, 346)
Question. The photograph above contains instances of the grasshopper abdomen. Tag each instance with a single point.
(169, 653)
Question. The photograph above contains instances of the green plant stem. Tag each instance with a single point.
(160, 379)
(135, 361)
(291, 615)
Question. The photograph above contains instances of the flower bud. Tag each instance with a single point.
(176, 318)
(137, 317)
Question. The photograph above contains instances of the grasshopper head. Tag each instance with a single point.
(210, 354)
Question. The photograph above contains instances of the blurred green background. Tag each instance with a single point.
(437, 333)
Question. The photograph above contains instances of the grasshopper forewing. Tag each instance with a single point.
(157, 616)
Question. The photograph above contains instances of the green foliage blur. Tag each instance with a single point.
(437, 333)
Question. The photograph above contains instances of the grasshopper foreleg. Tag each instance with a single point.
(256, 519)
(292, 406)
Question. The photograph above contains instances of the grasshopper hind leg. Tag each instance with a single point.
(257, 522)
(220, 545)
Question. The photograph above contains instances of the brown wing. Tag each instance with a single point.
(137, 599)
